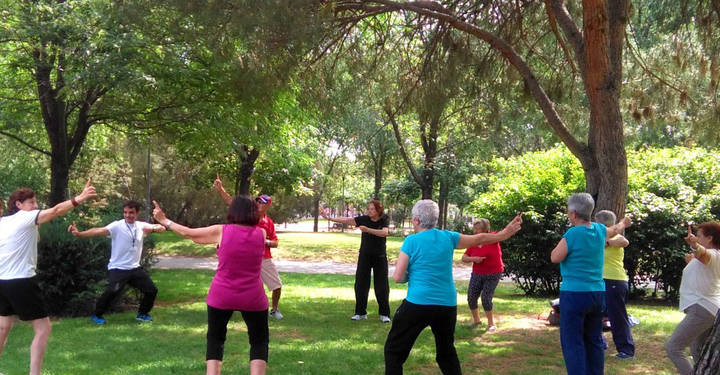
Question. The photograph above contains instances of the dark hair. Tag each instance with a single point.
(378, 206)
(243, 211)
(133, 204)
(19, 195)
(711, 229)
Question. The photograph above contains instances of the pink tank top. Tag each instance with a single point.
(237, 284)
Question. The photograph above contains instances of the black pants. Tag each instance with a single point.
(137, 278)
(258, 333)
(379, 266)
(409, 320)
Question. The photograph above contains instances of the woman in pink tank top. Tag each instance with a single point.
(237, 285)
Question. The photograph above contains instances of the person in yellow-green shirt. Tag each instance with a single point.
(616, 288)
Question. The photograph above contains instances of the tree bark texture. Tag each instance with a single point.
(709, 361)
(246, 166)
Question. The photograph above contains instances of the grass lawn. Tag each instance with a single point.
(337, 247)
(317, 336)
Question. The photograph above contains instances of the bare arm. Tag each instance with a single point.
(204, 235)
(560, 252)
(153, 228)
(468, 259)
(699, 251)
(92, 232)
(383, 232)
(271, 243)
(217, 184)
(341, 220)
(618, 228)
(400, 274)
(485, 238)
(618, 241)
(63, 208)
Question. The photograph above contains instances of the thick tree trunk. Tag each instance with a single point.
(246, 166)
(59, 176)
(380, 160)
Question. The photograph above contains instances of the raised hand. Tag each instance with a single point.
(158, 213)
(217, 184)
(88, 192)
(73, 229)
(514, 225)
(626, 221)
(690, 238)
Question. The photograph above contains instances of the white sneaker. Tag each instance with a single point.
(276, 314)
(492, 328)
(358, 317)
(384, 318)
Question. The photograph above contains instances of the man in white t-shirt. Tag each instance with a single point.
(20, 294)
(124, 268)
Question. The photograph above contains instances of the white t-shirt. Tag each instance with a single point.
(18, 245)
(701, 284)
(127, 241)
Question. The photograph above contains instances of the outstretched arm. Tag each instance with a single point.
(485, 238)
(204, 235)
(63, 208)
(92, 232)
(217, 184)
(341, 220)
(153, 228)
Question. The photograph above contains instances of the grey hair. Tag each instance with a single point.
(427, 212)
(606, 217)
(582, 204)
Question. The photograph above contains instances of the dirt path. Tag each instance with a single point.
(283, 265)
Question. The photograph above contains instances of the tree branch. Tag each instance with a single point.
(32, 147)
(571, 31)
(401, 146)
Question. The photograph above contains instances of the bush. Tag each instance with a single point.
(72, 272)
(668, 188)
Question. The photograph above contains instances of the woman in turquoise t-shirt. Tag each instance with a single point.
(425, 260)
(582, 290)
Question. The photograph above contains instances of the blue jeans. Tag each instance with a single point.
(581, 332)
(616, 293)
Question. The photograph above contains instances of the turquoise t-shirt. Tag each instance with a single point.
(582, 268)
(430, 278)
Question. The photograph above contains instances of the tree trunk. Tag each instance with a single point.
(246, 166)
(59, 176)
(380, 160)
(316, 212)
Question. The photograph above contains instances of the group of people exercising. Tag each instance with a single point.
(425, 261)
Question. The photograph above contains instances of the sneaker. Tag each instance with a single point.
(384, 318)
(145, 318)
(357, 317)
(97, 319)
(622, 355)
(276, 314)
(492, 328)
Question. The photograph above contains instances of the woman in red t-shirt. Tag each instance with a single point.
(486, 273)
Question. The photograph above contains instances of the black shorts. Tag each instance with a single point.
(22, 297)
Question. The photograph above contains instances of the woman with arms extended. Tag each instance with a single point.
(699, 296)
(582, 291)
(237, 285)
(372, 257)
(426, 261)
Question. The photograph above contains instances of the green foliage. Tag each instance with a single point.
(72, 272)
(538, 185)
(668, 189)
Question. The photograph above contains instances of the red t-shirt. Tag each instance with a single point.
(267, 224)
(493, 258)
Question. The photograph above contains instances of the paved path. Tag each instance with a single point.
(283, 265)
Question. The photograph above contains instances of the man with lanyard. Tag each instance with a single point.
(20, 293)
(269, 274)
(126, 237)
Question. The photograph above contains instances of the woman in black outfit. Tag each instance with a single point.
(374, 227)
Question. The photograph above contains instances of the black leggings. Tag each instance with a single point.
(258, 333)
(482, 285)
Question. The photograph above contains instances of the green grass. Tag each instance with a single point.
(317, 337)
(337, 247)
